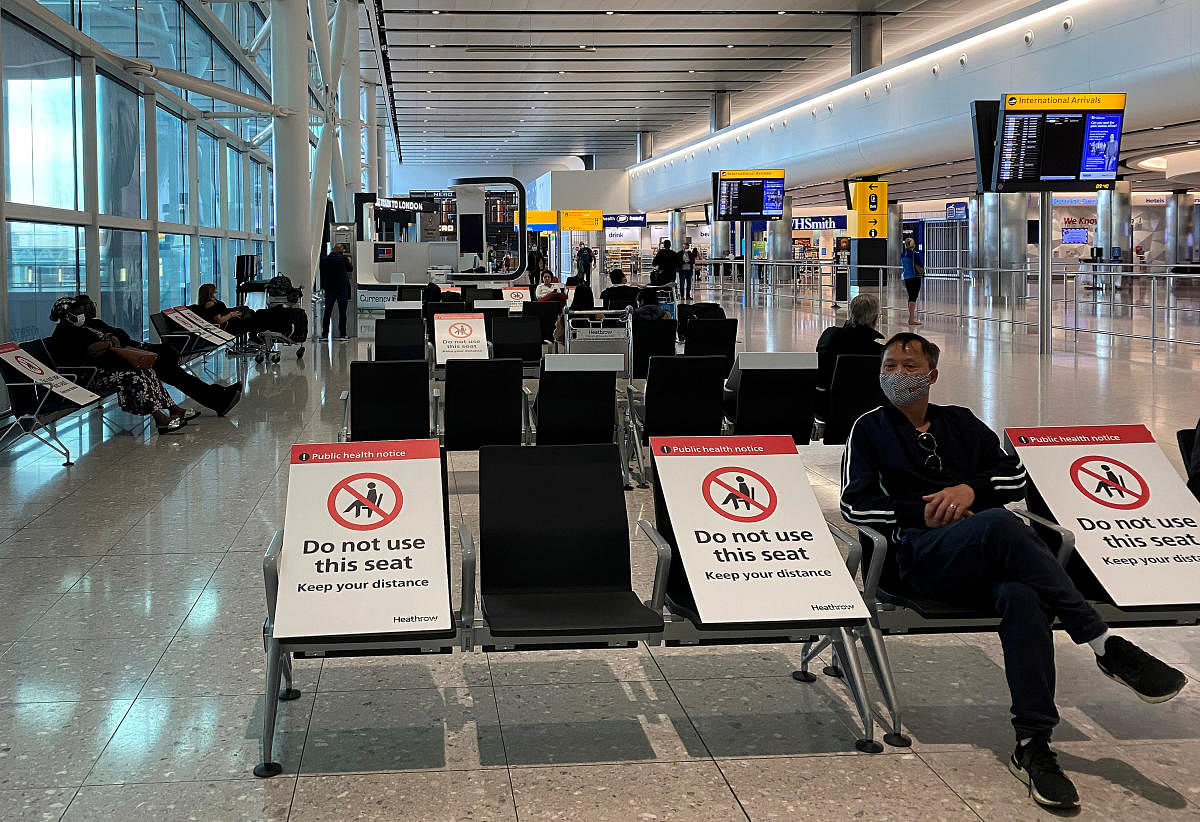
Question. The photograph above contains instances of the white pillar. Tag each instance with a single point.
(372, 141)
(349, 90)
(381, 156)
(289, 87)
(150, 278)
(91, 179)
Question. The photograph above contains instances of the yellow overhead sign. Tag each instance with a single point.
(753, 174)
(591, 219)
(869, 197)
(867, 225)
(537, 218)
(1064, 102)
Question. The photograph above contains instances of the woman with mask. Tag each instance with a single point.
(128, 370)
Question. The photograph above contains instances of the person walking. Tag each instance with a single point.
(913, 264)
(583, 263)
(687, 270)
(336, 269)
(666, 264)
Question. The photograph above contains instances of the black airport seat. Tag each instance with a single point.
(621, 296)
(1186, 437)
(410, 293)
(853, 392)
(551, 572)
(517, 337)
(389, 400)
(484, 404)
(547, 314)
(433, 309)
(576, 407)
(400, 339)
(483, 294)
(401, 313)
(682, 398)
(712, 337)
(776, 401)
(651, 338)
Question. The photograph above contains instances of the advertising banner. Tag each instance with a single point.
(364, 546)
(459, 337)
(751, 535)
(41, 374)
(1136, 525)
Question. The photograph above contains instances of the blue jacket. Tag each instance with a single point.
(884, 474)
(908, 258)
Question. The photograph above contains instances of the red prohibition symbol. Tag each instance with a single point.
(731, 487)
(366, 511)
(1109, 482)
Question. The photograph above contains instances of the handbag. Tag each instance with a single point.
(918, 268)
(136, 357)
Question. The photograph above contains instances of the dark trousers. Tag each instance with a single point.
(585, 273)
(169, 370)
(996, 558)
(685, 284)
(330, 301)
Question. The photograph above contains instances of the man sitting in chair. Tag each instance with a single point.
(935, 479)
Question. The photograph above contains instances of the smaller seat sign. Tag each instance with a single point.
(1136, 525)
(37, 371)
(364, 541)
(459, 337)
(752, 538)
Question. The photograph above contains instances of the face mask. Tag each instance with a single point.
(904, 389)
(76, 319)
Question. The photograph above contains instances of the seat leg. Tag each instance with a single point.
(873, 645)
(268, 767)
(843, 640)
(288, 693)
(808, 653)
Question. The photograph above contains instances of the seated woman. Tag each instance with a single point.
(128, 370)
(648, 305)
(234, 320)
(547, 286)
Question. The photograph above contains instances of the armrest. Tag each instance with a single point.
(271, 574)
(344, 434)
(437, 412)
(878, 559)
(467, 609)
(662, 569)
(1066, 546)
(854, 548)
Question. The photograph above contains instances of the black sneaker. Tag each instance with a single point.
(1150, 678)
(1037, 766)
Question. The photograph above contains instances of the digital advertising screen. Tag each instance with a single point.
(1075, 236)
(753, 194)
(1058, 142)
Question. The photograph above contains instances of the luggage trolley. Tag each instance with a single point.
(281, 292)
(600, 332)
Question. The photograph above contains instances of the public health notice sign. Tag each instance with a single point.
(40, 373)
(1136, 525)
(364, 542)
(459, 337)
(751, 535)
(518, 294)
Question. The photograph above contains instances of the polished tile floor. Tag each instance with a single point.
(131, 661)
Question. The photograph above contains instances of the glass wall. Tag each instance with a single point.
(41, 125)
(45, 262)
(43, 152)
(210, 182)
(175, 270)
(122, 256)
(172, 167)
(121, 140)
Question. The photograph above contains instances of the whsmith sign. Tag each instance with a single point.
(824, 223)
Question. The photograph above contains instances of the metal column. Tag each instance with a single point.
(1122, 220)
(91, 181)
(866, 42)
(1045, 273)
(349, 96)
(719, 116)
(1176, 227)
(1003, 241)
(676, 229)
(289, 87)
(381, 170)
(153, 264)
(895, 240)
(1104, 222)
(645, 145)
(779, 243)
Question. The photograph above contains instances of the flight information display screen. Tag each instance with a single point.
(1058, 142)
(755, 194)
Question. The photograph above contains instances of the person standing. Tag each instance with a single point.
(666, 263)
(687, 270)
(913, 264)
(535, 263)
(336, 269)
(583, 263)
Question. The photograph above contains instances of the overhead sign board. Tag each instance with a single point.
(867, 218)
(956, 211)
(824, 223)
(537, 220)
(459, 337)
(364, 541)
(752, 174)
(749, 531)
(43, 375)
(1136, 525)
(1064, 102)
(581, 220)
(624, 220)
(424, 205)
(748, 194)
(1058, 142)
